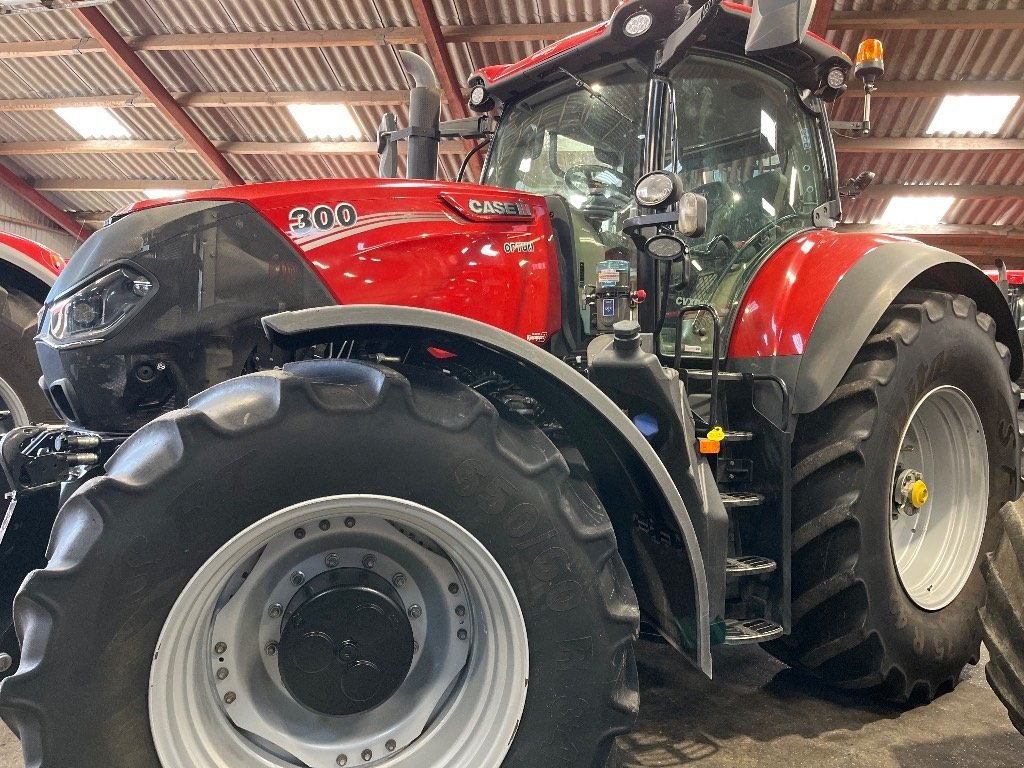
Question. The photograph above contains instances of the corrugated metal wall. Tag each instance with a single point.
(19, 218)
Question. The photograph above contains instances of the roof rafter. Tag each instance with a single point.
(131, 65)
(880, 21)
(104, 146)
(24, 190)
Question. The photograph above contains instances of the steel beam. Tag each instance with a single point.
(130, 63)
(24, 190)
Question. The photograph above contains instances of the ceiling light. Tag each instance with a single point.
(972, 114)
(909, 211)
(94, 122)
(160, 194)
(325, 121)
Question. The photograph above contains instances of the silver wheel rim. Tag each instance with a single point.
(12, 410)
(935, 547)
(459, 706)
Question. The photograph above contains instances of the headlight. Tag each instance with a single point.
(658, 189)
(98, 306)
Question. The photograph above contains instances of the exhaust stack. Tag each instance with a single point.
(424, 117)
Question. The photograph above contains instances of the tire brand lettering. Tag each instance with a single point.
(497, 495)
(302, 221)
(574, 653)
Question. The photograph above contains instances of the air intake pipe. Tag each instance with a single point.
(424, 117)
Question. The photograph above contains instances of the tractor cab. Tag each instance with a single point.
(746, 130)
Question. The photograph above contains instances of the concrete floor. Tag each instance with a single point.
(758, 713)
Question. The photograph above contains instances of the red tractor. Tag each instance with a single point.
(487, 428)
(27, 271)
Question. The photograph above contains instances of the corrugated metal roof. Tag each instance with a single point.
(960, 54)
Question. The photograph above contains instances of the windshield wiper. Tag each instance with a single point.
(584, 85)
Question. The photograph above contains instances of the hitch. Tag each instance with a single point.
(43, 456)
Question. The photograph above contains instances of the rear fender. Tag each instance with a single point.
(27, 266)
(814, 302)
(867, 289)
(628, 473)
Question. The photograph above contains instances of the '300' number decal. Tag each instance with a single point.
(322, 217)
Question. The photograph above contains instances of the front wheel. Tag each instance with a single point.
(333, 565)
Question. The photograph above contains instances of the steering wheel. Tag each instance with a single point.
(600, 181)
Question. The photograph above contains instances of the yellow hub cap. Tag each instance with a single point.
(918, 494)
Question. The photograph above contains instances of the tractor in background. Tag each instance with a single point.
(360, 472)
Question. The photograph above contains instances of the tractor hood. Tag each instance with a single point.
(166, 300)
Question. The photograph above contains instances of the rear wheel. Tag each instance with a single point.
(333, 565)
(21, 402)
(897, 480)
(1003, 614)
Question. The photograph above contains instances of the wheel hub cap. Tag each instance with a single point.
(347, 643)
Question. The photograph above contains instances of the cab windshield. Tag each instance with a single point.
(746, 142)
(581, 138)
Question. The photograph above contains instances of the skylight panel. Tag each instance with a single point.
(325, 121)
(159, 194)
(909, 210)
(972, 114)
(94, 122)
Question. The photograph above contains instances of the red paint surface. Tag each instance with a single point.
(498, 72)
(51, 261)
(411, 246)
(778, 312)
(1013, 276)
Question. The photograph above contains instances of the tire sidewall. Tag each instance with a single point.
(19, 366)
(947, 638)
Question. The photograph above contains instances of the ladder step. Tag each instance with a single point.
(750, 631)
(738, 437)
(702, 374)
(748, 565)
(734, 499)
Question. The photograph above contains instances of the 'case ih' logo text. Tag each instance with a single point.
(499, 208)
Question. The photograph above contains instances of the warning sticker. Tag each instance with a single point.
(608, 277)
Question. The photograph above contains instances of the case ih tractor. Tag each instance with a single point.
(635, 373)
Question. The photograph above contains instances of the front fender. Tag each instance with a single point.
(608, 440)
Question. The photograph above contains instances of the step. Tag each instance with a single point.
(748, 565)
(738, 437)
(5, 414)
(750, 631)
(735, 499)
(702, 374)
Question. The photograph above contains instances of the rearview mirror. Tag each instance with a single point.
(778, 24)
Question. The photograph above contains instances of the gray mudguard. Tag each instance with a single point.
(861, 298)
(569, 395)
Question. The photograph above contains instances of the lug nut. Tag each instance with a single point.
(460, 610)
(369, 562)
(222, 673)
(415, 611)
(367, 755)
(453, 588)
(229, 697)
(220, 648)
(325, 525)
(298, 578)
(275, 611)
(463, 634)
(398, 580)
(390, 746)
(271, 648)
(332, 560)
(350, 522)
(300, 533)
(342, 760)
